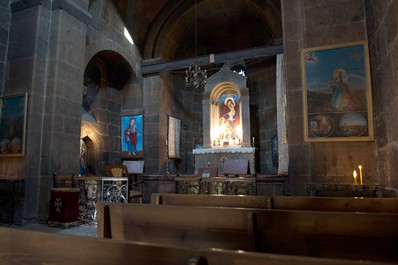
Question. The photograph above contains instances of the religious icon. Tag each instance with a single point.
(229, 119)
(337, 93)
(132, 139)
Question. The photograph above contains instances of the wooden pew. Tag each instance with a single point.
(31, 247)
(247, 201)
(340, 235)
(341, 204)
(192, 227)
(345, 235)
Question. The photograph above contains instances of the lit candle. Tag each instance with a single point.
(355, 177)
(253, 140)
(360, 174)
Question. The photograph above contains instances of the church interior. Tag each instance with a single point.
(171, 122)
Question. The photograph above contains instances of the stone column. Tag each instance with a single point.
(283, 148)
(46, 59)
(155, 125)
(245, 120)
(206, 124)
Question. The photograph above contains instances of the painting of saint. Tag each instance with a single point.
(132, 144)
(336, 82)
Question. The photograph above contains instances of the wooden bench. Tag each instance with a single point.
(342, 235)
(247, 201)
(342, 204)
(31, 247)
(174, 225)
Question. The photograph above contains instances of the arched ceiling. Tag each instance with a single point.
(166, 28)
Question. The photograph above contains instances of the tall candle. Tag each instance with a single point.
(355, 177)
(360, 174)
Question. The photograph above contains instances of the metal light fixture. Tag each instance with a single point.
(195, 77)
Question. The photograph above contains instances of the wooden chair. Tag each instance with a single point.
(136, 188)
(117, 171)
(135, 167)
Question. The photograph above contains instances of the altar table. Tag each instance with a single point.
(216, 185)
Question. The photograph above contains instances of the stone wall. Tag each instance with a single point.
(262, 89)
(46, 60)
(310, 24)
(382, 21)
(4, 31)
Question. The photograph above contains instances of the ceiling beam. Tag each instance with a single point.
(218, 58)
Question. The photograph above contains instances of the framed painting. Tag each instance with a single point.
(132, 136)
(337, 96)
(13, 111)
(174, 137)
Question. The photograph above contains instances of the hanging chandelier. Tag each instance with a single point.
(195, 77)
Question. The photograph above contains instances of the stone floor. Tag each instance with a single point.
(87, 229)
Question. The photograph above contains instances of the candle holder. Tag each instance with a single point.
(167, 173)
(254, 158)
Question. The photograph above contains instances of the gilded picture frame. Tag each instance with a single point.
(337, 93)
(132, 136)
(13, 116)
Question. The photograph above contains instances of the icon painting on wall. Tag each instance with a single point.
(337, 93)
(132, 136)
(13, 125)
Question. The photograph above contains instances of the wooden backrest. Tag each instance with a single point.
(342, 204)
(248, 201)
(116, 170)
(236, 166)
(343, 235)
(22, 247)
(177, 226)
(208, 172)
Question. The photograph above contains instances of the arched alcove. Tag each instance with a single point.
(225, 113)
(226, 121)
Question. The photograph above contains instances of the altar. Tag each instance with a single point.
(215, 157)
(226, 123)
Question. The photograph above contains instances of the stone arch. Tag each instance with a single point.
(93, 142)
(110, 47)
(106, 78)
(173, 28)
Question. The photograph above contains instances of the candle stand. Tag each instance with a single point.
(167, 161)
(254, 158)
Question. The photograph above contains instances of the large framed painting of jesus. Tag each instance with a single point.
(13, 111)
(337, 97)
